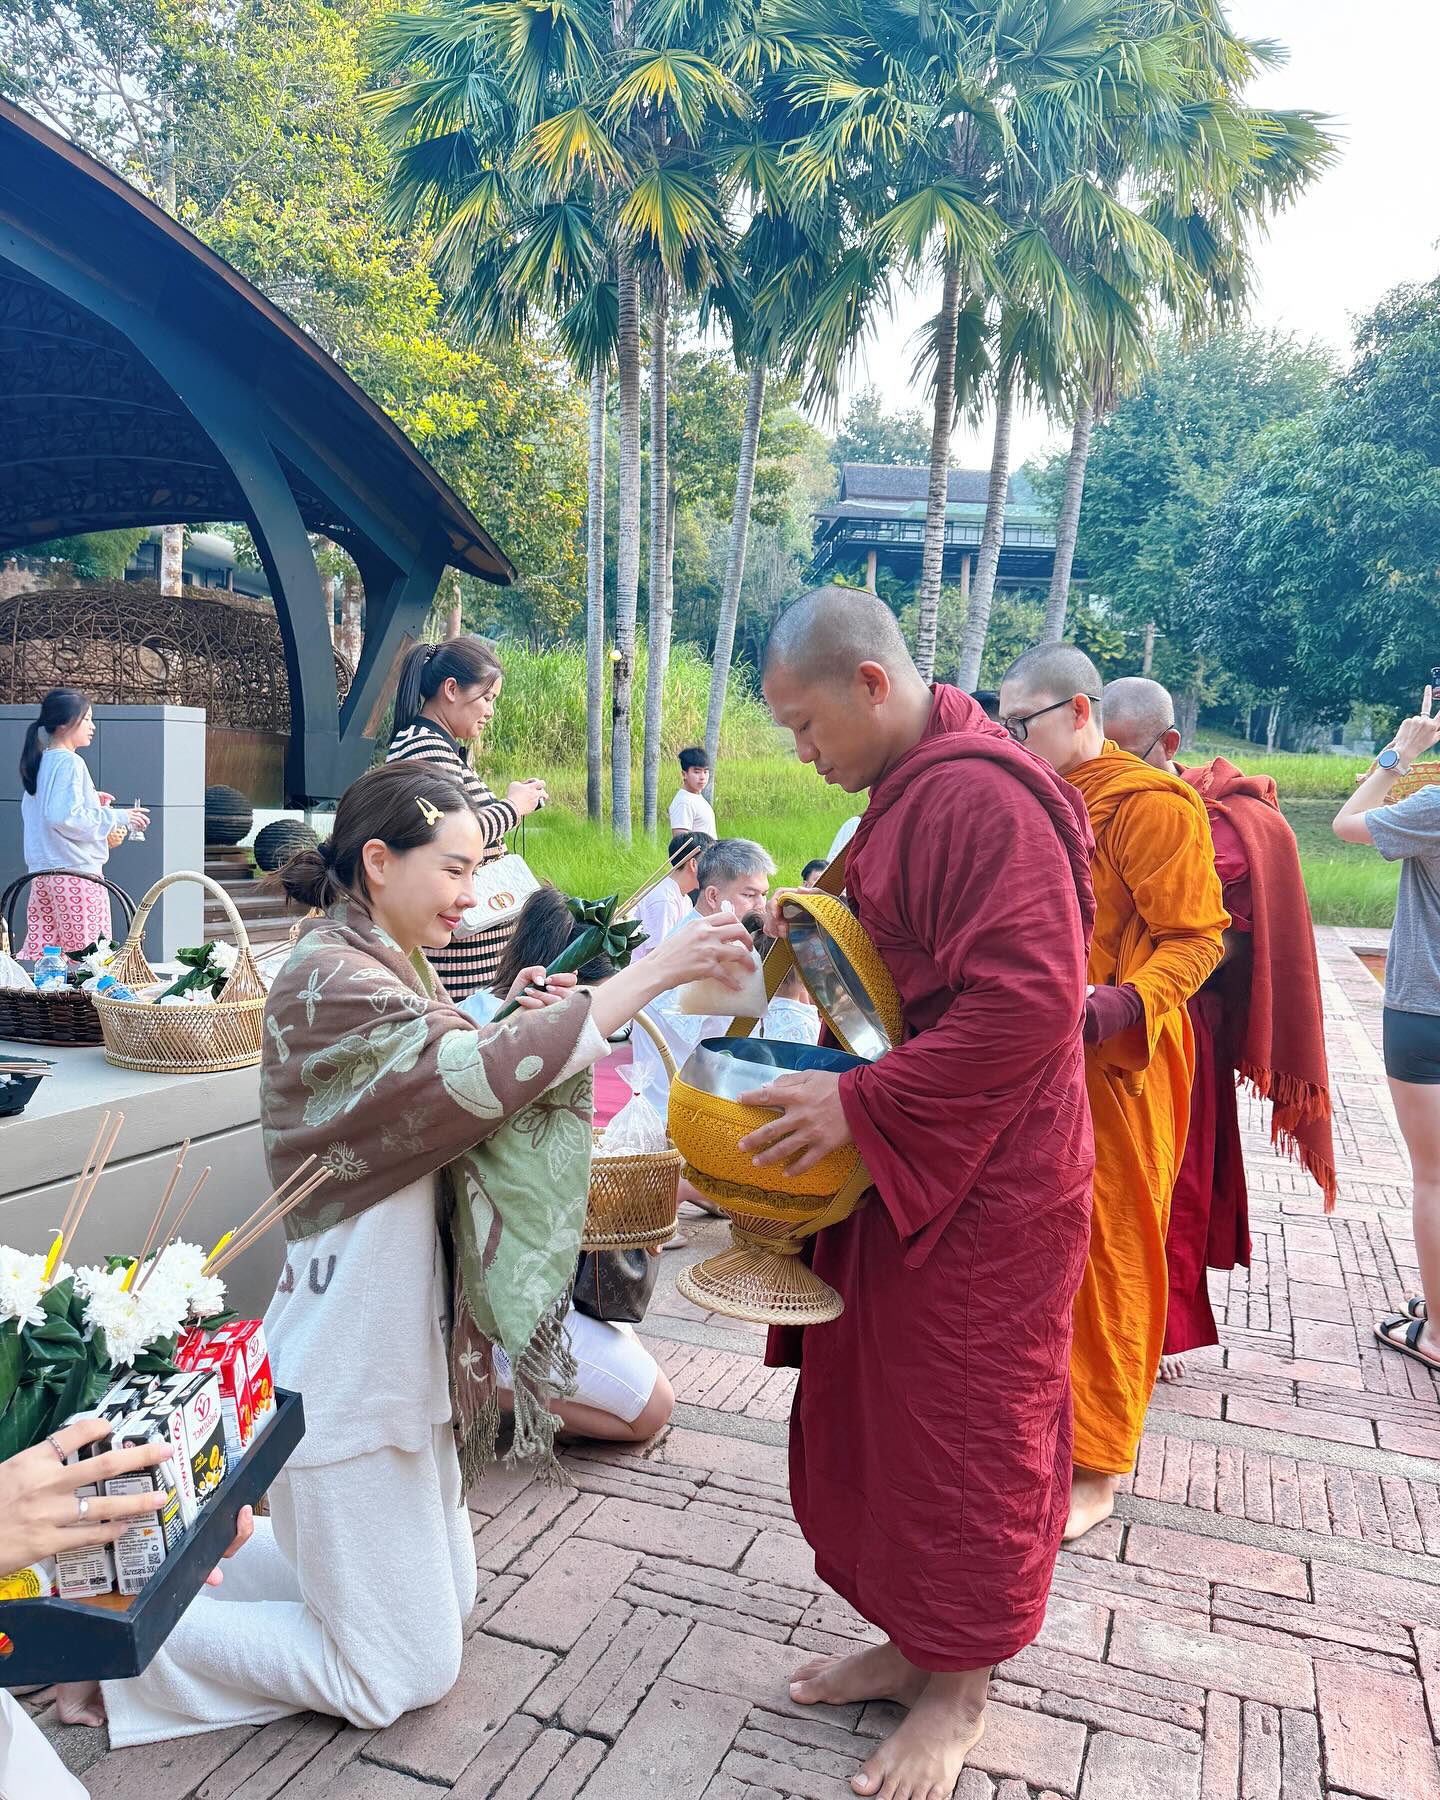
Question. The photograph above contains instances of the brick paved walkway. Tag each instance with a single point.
(1260, 1622)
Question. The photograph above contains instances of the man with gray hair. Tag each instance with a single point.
(732, 875)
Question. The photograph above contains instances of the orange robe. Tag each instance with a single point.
(1159, 929)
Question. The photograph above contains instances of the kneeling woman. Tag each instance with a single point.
(452, 1145)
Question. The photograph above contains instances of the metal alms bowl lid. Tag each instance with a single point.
(843, 971)
(730, 1067)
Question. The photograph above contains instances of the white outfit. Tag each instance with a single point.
(615, 1372)
(791, 1022)
(842, 837)
(64, 823)
(29, 1767)
(692, 812)
(659, 913)
(351, 1598)
(310, 1618)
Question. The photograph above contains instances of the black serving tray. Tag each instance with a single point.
(114, 1636)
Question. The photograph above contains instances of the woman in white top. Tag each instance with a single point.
(67, 827)
(459, 1162)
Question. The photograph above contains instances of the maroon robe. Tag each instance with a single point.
(1210, 1208)
(930, 1435)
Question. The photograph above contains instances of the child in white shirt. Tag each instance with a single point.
(690, 810)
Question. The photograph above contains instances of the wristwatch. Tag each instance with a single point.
(1388, 759)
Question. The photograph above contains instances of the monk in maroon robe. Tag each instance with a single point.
(930, 1435)
(1259, 1017)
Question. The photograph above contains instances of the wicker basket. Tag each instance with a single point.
(184, 1040)
(66, 1019)
(634, 1200)
(1422, 775)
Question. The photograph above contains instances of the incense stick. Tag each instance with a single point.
(96, 1172)
(90, 1155)
(269, 1201)
(175, 1225)
(239, 1245)
(651, 881)
(154, 1231)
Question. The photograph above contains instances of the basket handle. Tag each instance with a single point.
(657, 1038)
(10, 899)
(132, 966)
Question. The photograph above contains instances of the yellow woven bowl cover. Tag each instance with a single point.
(837, 921)
(706, 1129)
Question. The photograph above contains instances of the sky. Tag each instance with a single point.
(1372, 221)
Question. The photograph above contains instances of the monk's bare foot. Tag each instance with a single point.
(879, 1672)
(79, 1702)
(1092, 1500)
(923, 1758)
(1172, 1368)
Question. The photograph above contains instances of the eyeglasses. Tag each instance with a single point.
(1155, 740)
(1019, 729)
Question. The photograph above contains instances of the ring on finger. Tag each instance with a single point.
(82, 1509)
(54, 1444)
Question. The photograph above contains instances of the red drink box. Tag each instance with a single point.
(240, 1357)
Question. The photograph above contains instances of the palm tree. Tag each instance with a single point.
(548, 153)
(1212, 179)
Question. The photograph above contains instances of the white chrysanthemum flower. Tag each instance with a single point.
(22, 1283)
(101, 957)
(224, 956)
(130, 1320)
(181, 1277)
(110, 1309)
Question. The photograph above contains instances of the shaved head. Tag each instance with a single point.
(838, 677)
(1050, 702)
(830, 631)
(1053, 672)
(1137, 711)
(1140, 716)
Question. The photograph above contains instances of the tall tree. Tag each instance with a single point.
(1209, 180)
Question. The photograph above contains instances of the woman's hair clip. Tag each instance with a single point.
(432, 653)
(429, 811)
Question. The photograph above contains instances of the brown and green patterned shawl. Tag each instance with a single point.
(369, 1066)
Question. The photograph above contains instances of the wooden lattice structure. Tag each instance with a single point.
(124, 642)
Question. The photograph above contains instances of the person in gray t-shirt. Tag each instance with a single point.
(1408, 832)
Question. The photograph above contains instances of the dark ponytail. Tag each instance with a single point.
(468, 661)
(59, 708)
(401, 804)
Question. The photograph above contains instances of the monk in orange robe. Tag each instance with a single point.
(1159, 932)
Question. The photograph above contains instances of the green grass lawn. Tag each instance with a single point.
(786, 807)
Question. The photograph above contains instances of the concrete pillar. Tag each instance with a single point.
(965, 562)
(154, 754)
(871, 559)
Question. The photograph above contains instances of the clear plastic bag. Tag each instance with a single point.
(13, 979)
(636, 1130)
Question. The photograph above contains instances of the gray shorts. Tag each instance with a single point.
(1412, 1046)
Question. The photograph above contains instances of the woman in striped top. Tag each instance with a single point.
(445, 699)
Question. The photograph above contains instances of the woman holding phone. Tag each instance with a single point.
(1407, 831)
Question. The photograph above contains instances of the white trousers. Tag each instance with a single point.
(350, 1600)
(29, 1768)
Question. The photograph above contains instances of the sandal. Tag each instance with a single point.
(1416, 1309)
(1408, 1342)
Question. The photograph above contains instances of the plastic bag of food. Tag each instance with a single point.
(13, 979)
(636, 1130)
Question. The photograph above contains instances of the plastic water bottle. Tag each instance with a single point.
(137, 836)
(50, 970)
(111, 989)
